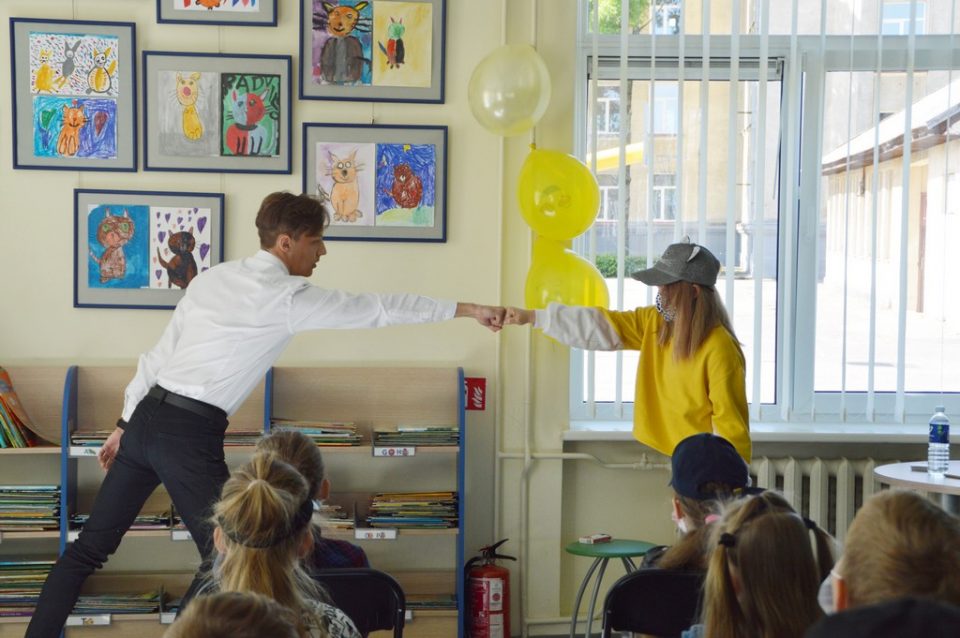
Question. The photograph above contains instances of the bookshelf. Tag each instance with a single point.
(63, 401)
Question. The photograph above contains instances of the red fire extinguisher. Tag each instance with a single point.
(488, 594)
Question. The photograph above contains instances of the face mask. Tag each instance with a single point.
(668, 314)
(681, 523)
(825, 594)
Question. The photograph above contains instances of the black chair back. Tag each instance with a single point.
(656, 602)
(372, 599)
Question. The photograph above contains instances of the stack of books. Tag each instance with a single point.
(123, 603)
(29, 508)
(155, 521)
(323, 433)
(94, 438)
(20, 584)
(431, 601)
(15, 425)
(333, 517)
(413, 435)
(234, 438)
(414, 510)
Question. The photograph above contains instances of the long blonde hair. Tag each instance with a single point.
(298, 450)
(901, 544)
(697, 314)
(263, 514)
(764, 545)
(234, 615)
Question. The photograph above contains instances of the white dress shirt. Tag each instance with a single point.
(235, 319)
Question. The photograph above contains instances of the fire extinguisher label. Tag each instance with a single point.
(496, 627)
(494, 587)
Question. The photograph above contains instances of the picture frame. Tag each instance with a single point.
(74, 94)
(381, 182)
(141, 249)
(237, 13)
(193, 104)
(402, 45)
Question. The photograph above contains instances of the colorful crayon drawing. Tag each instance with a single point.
(346, 178)
(406, 184)
(179, 245)
(250, 120)
(74, 127)
(117, 245)
(74, 64)
(342, 43)
(221, 6)
(188, 113)
(403, 32)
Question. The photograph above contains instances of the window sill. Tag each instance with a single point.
(772, 432)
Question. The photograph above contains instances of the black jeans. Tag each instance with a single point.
(161, 444)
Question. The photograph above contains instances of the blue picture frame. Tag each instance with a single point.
(235, 13)
(194, 104)
(141, 249)
(402, 48)
(381, 182)
(74, 94)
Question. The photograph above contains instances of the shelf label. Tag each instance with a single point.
(408, 614)
(88, 621)
(167, 617)
(73, 535)
(394, 451)
(180, 535)
(77, 451)
(368, 534)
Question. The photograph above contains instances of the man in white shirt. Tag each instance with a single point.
(232, 323)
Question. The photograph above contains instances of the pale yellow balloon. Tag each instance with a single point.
(509, 90)
(558, 275)
(558, 194)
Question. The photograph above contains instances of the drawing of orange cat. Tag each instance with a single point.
(188, 90)
(345, 194)
(73, 120)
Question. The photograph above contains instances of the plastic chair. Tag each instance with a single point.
(372, 598)
(657, 602)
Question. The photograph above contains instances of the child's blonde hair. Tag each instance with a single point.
(298, 450)
(264, 513)
(901, 544)
(697, 314)
(234, 615)
(763, 546)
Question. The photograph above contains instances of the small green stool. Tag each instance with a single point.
(623, 549)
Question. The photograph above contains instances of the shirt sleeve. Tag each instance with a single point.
(152, 361)
(728, 394)
(578, 326)
(313, 308)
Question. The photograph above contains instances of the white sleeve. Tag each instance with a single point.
(313, 308)
(578, 326)
(152, 361)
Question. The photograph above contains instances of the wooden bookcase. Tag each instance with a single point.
(427, 563)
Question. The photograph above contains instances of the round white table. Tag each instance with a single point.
(914, 475)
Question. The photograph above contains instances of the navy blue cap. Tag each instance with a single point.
(706, 458)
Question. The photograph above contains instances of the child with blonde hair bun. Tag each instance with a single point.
(234, 615)
(262, 531)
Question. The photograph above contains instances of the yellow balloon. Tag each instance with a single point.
(557, 274)
(509, 90)
(558, 194)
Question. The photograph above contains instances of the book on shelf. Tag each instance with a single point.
(29, 508)
(323, 433)
(414, 510)
(16, 428)
(20, 584)
(119, 603)
(333, 517)
(409, 435)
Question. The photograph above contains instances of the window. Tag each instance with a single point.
(607, 107)
(896, 18)
(667, 20)
(835, 237)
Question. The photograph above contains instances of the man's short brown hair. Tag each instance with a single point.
(284, 213)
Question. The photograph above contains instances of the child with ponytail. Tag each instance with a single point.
(262, 531)
(234, 615)
(763, 576)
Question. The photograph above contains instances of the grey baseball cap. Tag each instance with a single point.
(682, 262)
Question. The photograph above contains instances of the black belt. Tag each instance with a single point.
(186, 403)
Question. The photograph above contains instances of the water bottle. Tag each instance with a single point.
(938, 452)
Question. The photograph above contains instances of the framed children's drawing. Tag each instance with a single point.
(372, 50)
(382, 183)
(216, 112)
(238, 13)
(141, 249)
(74, 88)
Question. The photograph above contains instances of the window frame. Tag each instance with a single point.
(801, 66)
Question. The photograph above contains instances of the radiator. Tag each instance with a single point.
(829, 491)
